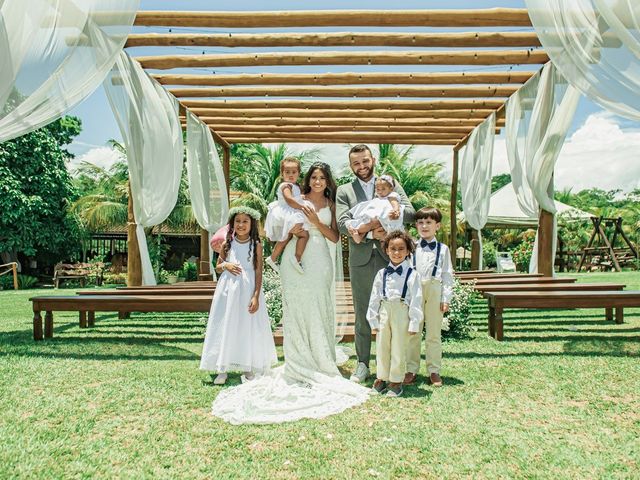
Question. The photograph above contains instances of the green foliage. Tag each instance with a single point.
(457, 321)
(273, 296)
(157, 251)
(35, 191)
(522, 254)
(488, 254)
(189, 271)
(115, 278)
(499, 181)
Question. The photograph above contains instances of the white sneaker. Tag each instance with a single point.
(220, 379)
(269, 261)
(247, 377)
(361, 373)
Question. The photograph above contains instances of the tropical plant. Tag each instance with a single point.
(273, 296)
(457, 321)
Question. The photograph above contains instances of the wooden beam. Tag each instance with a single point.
(365, 78)
(545, 243)
(218, 138)
(448, 57)
(453, 234)
(490, 17)
(336, 39)
(475, 249)
(348, 104)
(349, 136)
(226, 167)
(480, 114)
(335, 139)
(284, 121)
(223, 130)
(134, 264)
(339, 91)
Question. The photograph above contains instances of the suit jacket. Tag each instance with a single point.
(347, 197)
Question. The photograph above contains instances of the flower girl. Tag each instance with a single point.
(386, 207)
(286, 213)
(238, 336)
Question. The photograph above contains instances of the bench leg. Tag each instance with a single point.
(491, 319)
(83, 319)
(609, 313)
(91, 319)
(124, 315)
(48, 325)
(37, 325)
(498, 325)
(619, 315)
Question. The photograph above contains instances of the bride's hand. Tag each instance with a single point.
(311, 215)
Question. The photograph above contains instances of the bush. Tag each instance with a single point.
(273, 296)
(24, 282)
(457, 321)
(189, 271)
(488, 255)
(115, 278)
(522, 254)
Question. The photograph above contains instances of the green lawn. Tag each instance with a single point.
(559, 398)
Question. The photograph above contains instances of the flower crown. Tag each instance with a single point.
(246, 210)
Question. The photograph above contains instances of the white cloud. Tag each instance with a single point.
(103, 157)
(599, 154)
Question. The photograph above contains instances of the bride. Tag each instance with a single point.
(309, 384)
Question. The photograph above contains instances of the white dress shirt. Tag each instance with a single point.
(425, 258)
(368, 187)
(394, 286)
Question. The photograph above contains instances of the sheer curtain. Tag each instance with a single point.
(148, 119)
(53, 54)
(475, 176)
(595, 44)
(207, 186)
(538, 115)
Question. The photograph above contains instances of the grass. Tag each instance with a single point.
(557, 399)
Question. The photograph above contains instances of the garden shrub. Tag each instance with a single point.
(457, 321)
(522, 254)
(273, 296)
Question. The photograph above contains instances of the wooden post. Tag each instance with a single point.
(475, 249)
(545, 243)
(205, 260)
(226, 166)
(134, 264)
(453, 240)
(14, 267)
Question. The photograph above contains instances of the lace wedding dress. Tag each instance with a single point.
(309, 384)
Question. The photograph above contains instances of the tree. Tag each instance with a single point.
(36, 190)
(499, 181)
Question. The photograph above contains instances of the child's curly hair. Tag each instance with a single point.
(254, 237)
(411, 246)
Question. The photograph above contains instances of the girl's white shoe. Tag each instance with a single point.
(220, 379)
(247, 377)
(269, 261)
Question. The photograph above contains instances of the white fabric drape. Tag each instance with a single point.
(207, 185)
(148, 119)
(475, 176)
(53, 54)
(595, 44)
(538, 116)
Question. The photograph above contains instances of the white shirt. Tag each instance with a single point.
(395, 284)
(425, 258)
(368, 187)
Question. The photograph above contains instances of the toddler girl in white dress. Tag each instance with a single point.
(385, 207)
(286, 213)
(238, 336)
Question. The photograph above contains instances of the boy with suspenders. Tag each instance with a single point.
(432, 262)
(394, 313)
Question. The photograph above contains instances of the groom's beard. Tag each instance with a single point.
(365, 177)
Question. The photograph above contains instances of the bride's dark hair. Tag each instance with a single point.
(330, 190)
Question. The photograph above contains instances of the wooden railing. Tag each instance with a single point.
(10, 267)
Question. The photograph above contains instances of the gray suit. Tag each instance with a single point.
(365, 260)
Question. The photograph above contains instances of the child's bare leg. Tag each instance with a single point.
(301, 244)
(279, 248)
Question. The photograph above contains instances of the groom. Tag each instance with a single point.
(366, 258)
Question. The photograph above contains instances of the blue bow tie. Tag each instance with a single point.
(431, 245)
(391, 270)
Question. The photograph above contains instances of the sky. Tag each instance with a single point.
(601, 149)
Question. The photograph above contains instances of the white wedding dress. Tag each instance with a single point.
(309, 384)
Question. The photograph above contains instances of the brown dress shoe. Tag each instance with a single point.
(435, 380)
(409, 378)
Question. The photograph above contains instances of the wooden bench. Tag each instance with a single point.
(499, 275)
(515, 281)
(548, 287)
(87, 305)
(75, 271)
(607, 299)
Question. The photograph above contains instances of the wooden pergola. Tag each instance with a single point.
(463, 65)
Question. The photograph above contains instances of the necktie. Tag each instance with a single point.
(431, 245)
(391, 270)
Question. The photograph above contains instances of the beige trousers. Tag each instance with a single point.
(392, 341)
(432, 295)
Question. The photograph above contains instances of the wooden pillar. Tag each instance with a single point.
(205, 260)
(14, 268)
(453, 241)
(226, 167)
(475, 249)
(545, 243)
(134, 264)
